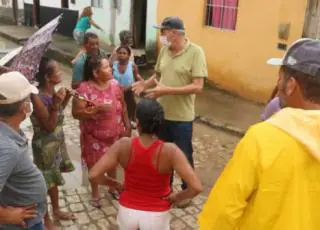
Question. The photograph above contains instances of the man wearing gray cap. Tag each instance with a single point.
(273, 178)
(181, 68)
(21, 183)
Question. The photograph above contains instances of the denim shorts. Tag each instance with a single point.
(39, 226)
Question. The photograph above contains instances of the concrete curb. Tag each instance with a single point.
(60, 56)
(12, 38)
(55, 53)
(220, 126)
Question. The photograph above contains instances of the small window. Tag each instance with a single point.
(222, 14)
(97, 3)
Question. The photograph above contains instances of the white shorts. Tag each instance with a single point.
(78, 36)
(131, 219)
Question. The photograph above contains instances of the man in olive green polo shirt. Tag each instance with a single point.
(181, 68)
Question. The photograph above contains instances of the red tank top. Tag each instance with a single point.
(144, 186)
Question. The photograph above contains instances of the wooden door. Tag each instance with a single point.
(64, 3)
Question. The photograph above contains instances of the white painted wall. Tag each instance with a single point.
(8, 4)
(151, 33)
(111, 20)
(49, 3)
(28, 1)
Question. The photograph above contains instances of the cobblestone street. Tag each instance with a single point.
(212, 150)
(77, 201)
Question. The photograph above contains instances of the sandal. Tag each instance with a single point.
(96, 203)
(64, 216)
(114, 194)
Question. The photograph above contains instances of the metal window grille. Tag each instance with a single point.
(97, 3)
(222, 14)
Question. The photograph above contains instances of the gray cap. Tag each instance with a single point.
(171, 23)
(303, 56)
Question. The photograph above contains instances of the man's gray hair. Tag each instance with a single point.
(9, 110)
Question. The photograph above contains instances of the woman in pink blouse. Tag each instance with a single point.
(102, 114)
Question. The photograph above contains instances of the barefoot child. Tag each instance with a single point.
(125, 37)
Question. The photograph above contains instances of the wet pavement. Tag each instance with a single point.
(212, 149)
(226, 109)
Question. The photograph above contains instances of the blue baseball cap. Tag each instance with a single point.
(171, 23)
(303, 56)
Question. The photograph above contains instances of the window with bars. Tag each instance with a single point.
(97, 3)
(222, 14)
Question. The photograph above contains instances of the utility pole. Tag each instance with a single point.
(15, 11)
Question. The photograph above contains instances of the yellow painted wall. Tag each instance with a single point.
(237, 59)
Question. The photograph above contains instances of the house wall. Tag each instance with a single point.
(49, 10)
(6, 12)
(112, 20)
(237, 59)
(8, 4)
(151, 33)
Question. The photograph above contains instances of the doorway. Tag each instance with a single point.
(65, 4)
(139, 23)
(311, 25)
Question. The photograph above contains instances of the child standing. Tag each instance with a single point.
(125, 37)
(126, 73)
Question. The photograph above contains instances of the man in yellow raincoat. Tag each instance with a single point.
(272, 181)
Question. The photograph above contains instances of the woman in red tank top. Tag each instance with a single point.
(146, 196)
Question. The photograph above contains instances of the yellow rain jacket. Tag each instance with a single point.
(272, 181)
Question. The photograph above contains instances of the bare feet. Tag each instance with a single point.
(59, 215)
(48, 224)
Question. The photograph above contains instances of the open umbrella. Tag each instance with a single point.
(28, 60)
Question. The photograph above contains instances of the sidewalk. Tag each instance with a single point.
(63, 48)
(214, 107)
(227, 112)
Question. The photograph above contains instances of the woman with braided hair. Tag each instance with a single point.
(146, 196)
